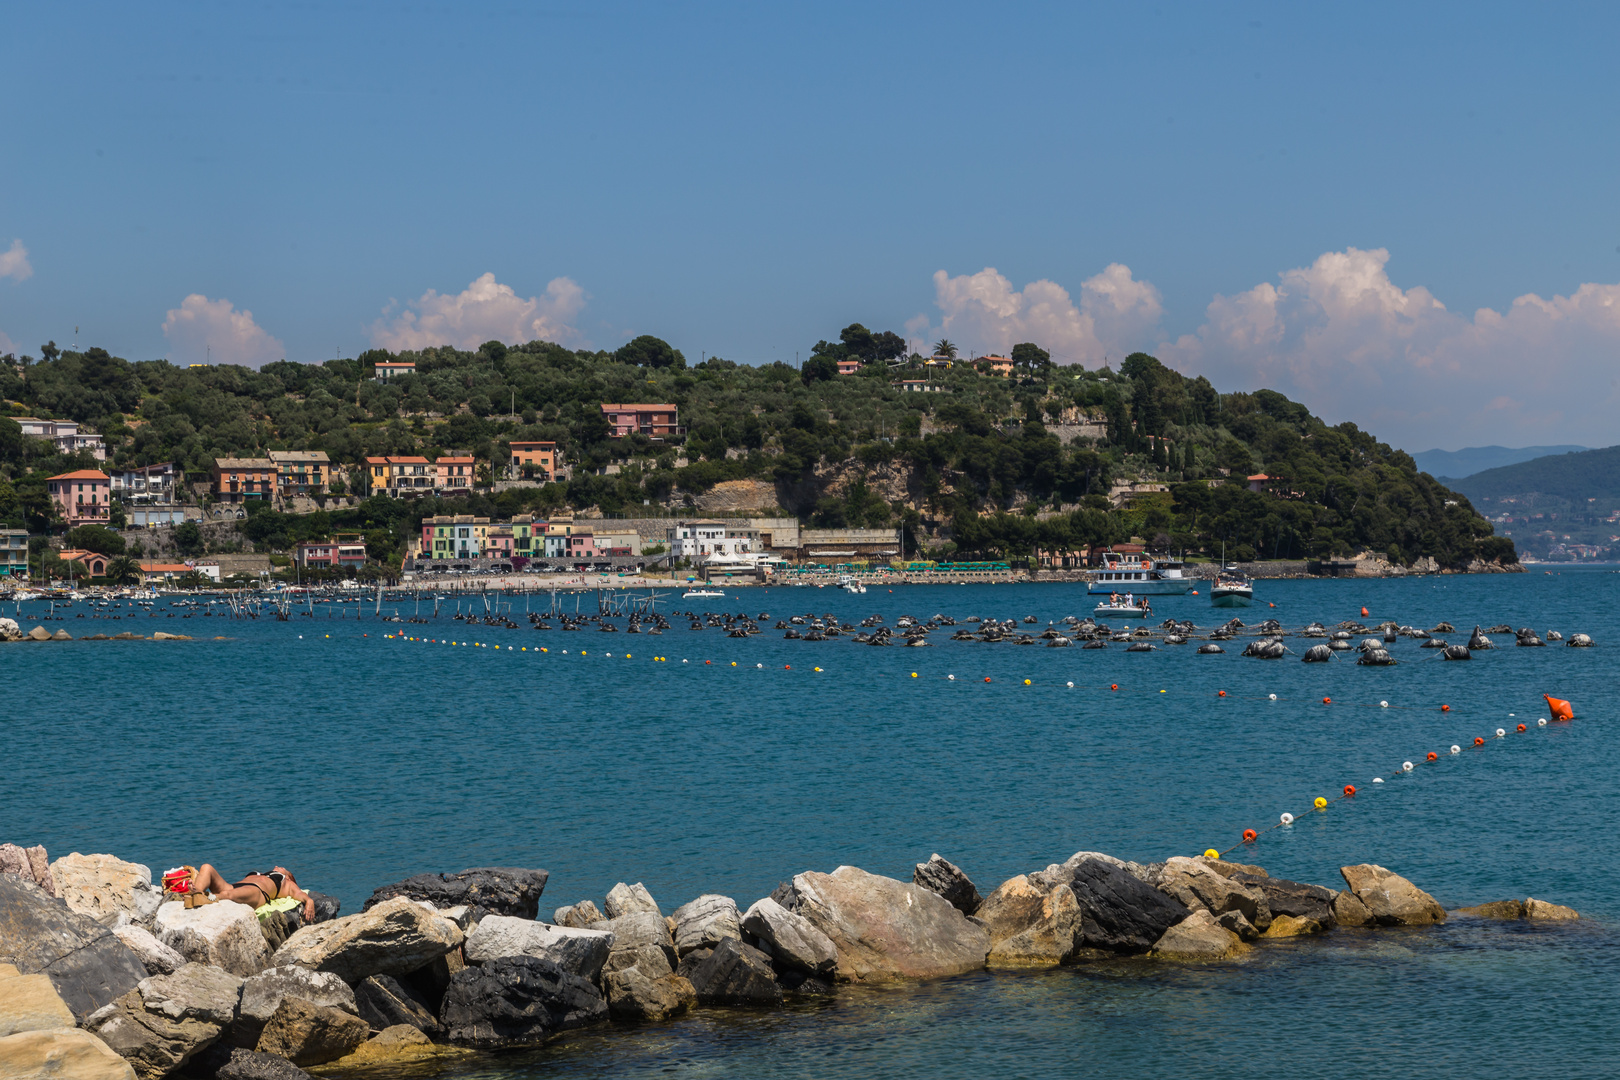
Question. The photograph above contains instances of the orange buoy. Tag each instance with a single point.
(1478, 741)
(1220, 693)
(1433, 756)
(987, 678)
(1349, 791)
(1445, 708)
(1327, 701)
(1250, 836)
(1561, 709)
(1363, 613)
(1113, 686)
(1521, 727)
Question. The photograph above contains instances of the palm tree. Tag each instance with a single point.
(123, 570)
(945, 347)
(194, 579)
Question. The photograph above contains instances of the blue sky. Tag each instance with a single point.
(1317, 198)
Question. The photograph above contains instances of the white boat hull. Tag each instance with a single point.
(1111, 612)
(1231, 597)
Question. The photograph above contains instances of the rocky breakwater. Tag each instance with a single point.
(99, 978)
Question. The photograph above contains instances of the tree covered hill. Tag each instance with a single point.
(1574, 477)
(982, 465)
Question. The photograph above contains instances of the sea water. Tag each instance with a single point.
(694, 762)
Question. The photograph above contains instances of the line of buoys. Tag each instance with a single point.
(1407, 767)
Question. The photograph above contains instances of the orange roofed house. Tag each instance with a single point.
(83, 497)
(397, 476)
(453, 474)
(653, 421)
(241, 479)
(540, 458)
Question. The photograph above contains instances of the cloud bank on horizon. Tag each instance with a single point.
(201, 330)
(1342, 338)
(485, 310)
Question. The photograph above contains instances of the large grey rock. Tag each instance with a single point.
(156, 957)
(1030, 925)
(223, 933)
(705, 922)
(395, 937)
(886, 929)
(1547, 911)
(385, 1002)
(309, 1034)
(732, 974)
(640, 929)
(105, 887)
(1119, 911)
(496, 890)
(1197, 885)
(791, 940)
(579, 952)
(1390, 898)
(167, 1019)
(1198, 937)
(40, 935)
(517, 1001)
(10, 631)
(240, 1064)
(31, 864)
(633, 995)
(1294, 898)
(60, 1054)
(625, 899)
(31, 1003)
(262, 995)
(653, 961)
(580, 916)
(940, 875)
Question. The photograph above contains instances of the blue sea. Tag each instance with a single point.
(694, 762)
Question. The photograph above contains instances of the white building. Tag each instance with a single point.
(702, 541)
(144, 485)
(65, 434)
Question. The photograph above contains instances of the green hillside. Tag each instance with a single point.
(1589, 474)
(978, 465)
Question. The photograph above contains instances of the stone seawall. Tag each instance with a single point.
(106, 970)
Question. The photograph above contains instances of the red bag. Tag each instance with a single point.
(179, 880)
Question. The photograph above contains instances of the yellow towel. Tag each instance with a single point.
(285, 903)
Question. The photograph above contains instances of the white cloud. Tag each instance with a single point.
(485, 310)
(983, 311)
(6, 344)
(1341, 337)
(14, 262)
(200, 330)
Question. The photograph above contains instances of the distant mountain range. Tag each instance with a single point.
(1577, 477)
(1475, 459)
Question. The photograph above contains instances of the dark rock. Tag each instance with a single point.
(517, 1001)
(385, 1002)
(496, 890)
(941, 876)
(733, 974)
(430, 981)
(1119, 912)
(1294, 898)
(326, 907)
(88, 966)
(794, 981)
(234, 1063)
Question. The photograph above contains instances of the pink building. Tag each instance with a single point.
(582, 545)
(83, 497)
(331, 554)
(453, 475)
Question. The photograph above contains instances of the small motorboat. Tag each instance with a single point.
(1231, 589)
(701, 594)
(1122, 610)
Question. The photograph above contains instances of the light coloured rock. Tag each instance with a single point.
(61, 635)
(393, 938)
(9, 971)
(886, 929)
(625, 899)
(10, 631)
(40, 935)
(633, 995)
(31, 864)
(653, 961)
(1292, 926)
(31, 1003)
(39, 633)
(580, 952)
(223, 933)
(1231, 869)
(1391, 899)
(104, 887)
(641, 928)
(1497, 909)
(168, 1019)
(263, 994)
(156, 957)
(60, 1054)
(1198, 937)
(1031, 925)
(1541, 909)
(1196, 885)
(581, 916)
(1349, 911)
(307, 1034)
(400, 1044)
(791, 939)
(706, 922)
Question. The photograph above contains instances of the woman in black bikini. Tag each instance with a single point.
(254, 890)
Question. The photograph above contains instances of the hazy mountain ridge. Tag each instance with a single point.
(1476, 459)
(1576, 477)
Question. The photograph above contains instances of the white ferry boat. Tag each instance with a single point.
(1142, 575)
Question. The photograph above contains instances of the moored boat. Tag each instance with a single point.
(1143, 574)
(1231, 589)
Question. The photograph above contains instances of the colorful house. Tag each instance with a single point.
(453, 475)
(536, 457)
(94, 562)
(331, 554)
(389, 370)
(238, 480)
(849, 367)
(301, 472)
(82, 497)
(14, 552)
(653, 421)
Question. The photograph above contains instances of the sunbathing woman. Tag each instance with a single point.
(254, 890)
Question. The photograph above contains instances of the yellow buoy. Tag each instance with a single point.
(1321, 803)
(913, 674)
(1212, 854)
(1026, 682)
